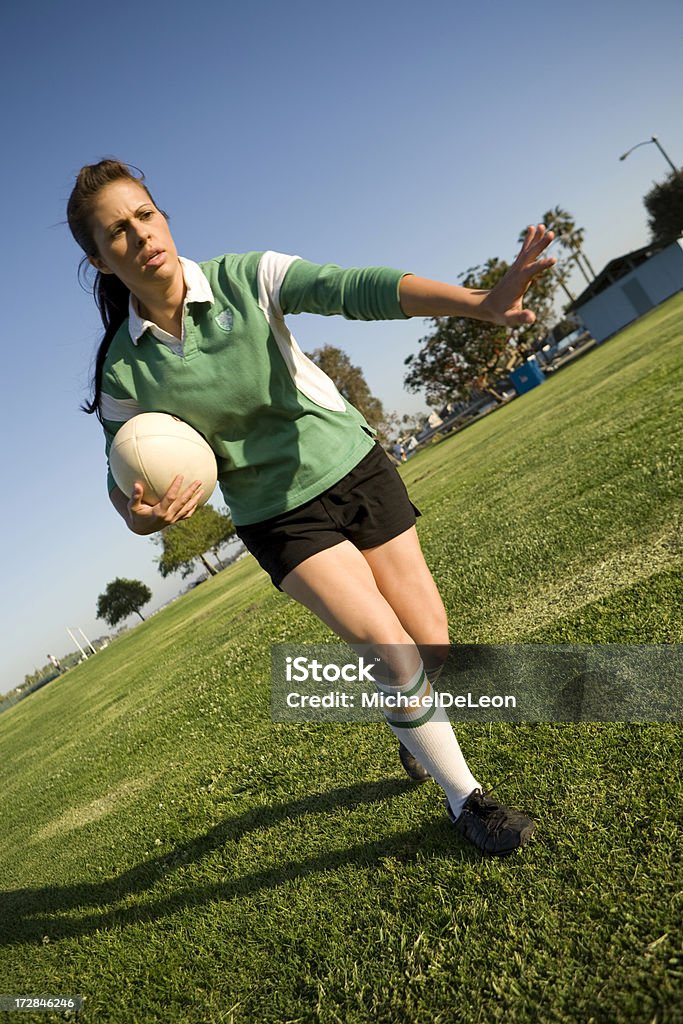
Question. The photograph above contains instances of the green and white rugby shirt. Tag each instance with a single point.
(281, 431)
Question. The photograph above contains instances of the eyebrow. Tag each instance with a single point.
(123, 220)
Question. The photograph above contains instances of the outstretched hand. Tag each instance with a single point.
(504, 303)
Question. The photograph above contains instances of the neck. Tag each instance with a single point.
(162, 301)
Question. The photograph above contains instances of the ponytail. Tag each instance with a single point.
(111, 298)
(111, 295)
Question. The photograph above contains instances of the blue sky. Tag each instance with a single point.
(419, 136)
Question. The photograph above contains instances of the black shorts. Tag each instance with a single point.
(369, 506)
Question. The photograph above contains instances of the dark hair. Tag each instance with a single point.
(111, 295)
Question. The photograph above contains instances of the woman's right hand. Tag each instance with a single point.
(175, 505)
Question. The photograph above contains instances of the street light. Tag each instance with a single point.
(647, 143)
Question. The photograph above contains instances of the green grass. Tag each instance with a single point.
(173, 856)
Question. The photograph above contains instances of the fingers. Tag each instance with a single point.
(540, 266)
(177, 505)
(174, 505)
(193, 495)
(528, 263)
(172, 493)
(505, 299)
(538, 238)
(136, 503)
(523, 319)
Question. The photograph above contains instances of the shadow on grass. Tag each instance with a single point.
(28, 915)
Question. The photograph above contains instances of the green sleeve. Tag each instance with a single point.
(368, 293)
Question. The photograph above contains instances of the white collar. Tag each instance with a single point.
(197, 287)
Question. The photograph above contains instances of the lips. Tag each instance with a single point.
(155, 258)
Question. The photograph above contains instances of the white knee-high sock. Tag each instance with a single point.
(428, 734)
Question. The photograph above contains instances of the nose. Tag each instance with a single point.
(142, 234)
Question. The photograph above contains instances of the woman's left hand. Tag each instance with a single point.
(503, 305)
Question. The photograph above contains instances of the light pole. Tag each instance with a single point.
(648, 142)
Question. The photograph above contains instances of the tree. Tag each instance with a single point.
(463, 356)
(190, 539)
(121, 599)
(664, 204)
(460, 354)
(412, 423)
(389, 430)
(349, 381)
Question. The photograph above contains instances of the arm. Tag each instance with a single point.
(419, 296)
(501, 305)
(357, 293)
(144, 519)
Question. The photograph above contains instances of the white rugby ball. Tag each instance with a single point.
(154, 448)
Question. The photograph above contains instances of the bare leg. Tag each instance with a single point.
(404, 580)
(339, 586)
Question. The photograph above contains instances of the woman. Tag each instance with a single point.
(311, 493)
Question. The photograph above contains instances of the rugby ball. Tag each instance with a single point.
(154, 448)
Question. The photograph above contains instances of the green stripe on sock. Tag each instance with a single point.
(403, 693)
(414, 724)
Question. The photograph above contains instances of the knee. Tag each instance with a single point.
(435, 626)
(391, 646)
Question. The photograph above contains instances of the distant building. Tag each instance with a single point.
(628, 287)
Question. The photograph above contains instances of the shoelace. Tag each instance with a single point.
(478, 796)
(492, 789)
(496, 816)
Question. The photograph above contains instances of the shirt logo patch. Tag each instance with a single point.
(225, 320)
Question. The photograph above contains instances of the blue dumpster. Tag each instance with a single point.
(527, 376)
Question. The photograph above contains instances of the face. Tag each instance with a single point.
(132, 237)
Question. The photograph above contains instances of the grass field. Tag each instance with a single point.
(170, 854)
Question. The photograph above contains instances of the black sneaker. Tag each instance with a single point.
(414, 770)
(493, 828)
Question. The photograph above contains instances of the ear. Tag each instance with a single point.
(99, 264)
